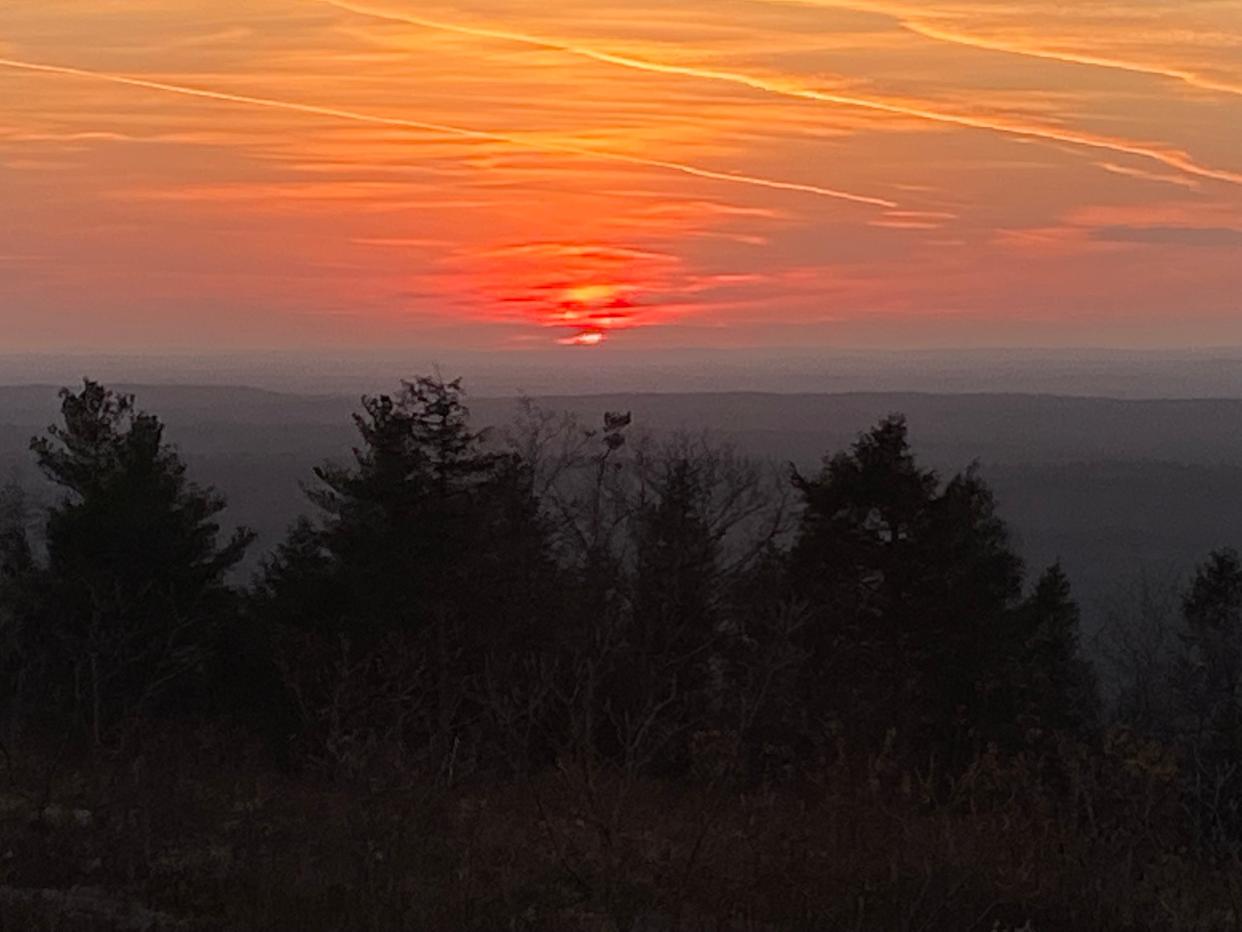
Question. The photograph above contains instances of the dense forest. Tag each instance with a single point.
(554, 675)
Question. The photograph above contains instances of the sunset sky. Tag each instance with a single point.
(509, 173)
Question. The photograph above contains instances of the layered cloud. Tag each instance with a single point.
(1210, 237)
(478, 171)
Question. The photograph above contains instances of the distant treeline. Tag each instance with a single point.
(486, 605)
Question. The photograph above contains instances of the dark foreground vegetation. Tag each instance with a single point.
(563, 678)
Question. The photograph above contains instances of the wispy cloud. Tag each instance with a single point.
(450, 130)
(393, 242)
(1208, 237)
(1185, 76)
(787, 87)
(596, 169)
(1158, 177)
(916, 19)
(83, 136)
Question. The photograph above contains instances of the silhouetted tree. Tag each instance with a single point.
(1211, 676)
(429, 537)
(133, 593)
(1212, 610)
(1209, 679)
(1056, 687)
(767, 654)
(676, 562)
(424, 521)
(660, 671)
(16, 553)
(911, 583)
(17, 573)
(1140, 645)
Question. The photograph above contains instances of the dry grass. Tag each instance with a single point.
(197, 832)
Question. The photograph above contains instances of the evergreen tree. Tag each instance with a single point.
(426, 524)
(423, 582)
(133, 594)
(672, 634)
(676, 563)
(1057, 690)
(17, 571)
(911, 583)
(16, 553)
(1212, 611)
(1209, 681)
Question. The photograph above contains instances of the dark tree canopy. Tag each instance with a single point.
(676, 575)
(426, 523)
(1057, 690)
(881, 538)
(133, 593)
(914, 586)
(670, 629)
(1213, 604)
(636, 601)
(1212, 680)
(130, 519)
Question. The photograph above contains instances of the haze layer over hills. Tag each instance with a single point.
(1205, 373)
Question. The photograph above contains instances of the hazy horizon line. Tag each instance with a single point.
(615, 350)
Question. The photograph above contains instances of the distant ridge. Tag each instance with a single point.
(953, 427)
(1206, 373)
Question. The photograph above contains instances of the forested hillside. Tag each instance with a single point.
(564, 674)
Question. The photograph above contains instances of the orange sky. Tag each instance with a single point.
(509, 173)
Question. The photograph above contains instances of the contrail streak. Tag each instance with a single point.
(447, 130)
(1191, 78)
(905, 16)
(1171, 158)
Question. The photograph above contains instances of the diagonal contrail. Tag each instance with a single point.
(906, 16)
(1171, 158)
(1191, 78)
(447, 130)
